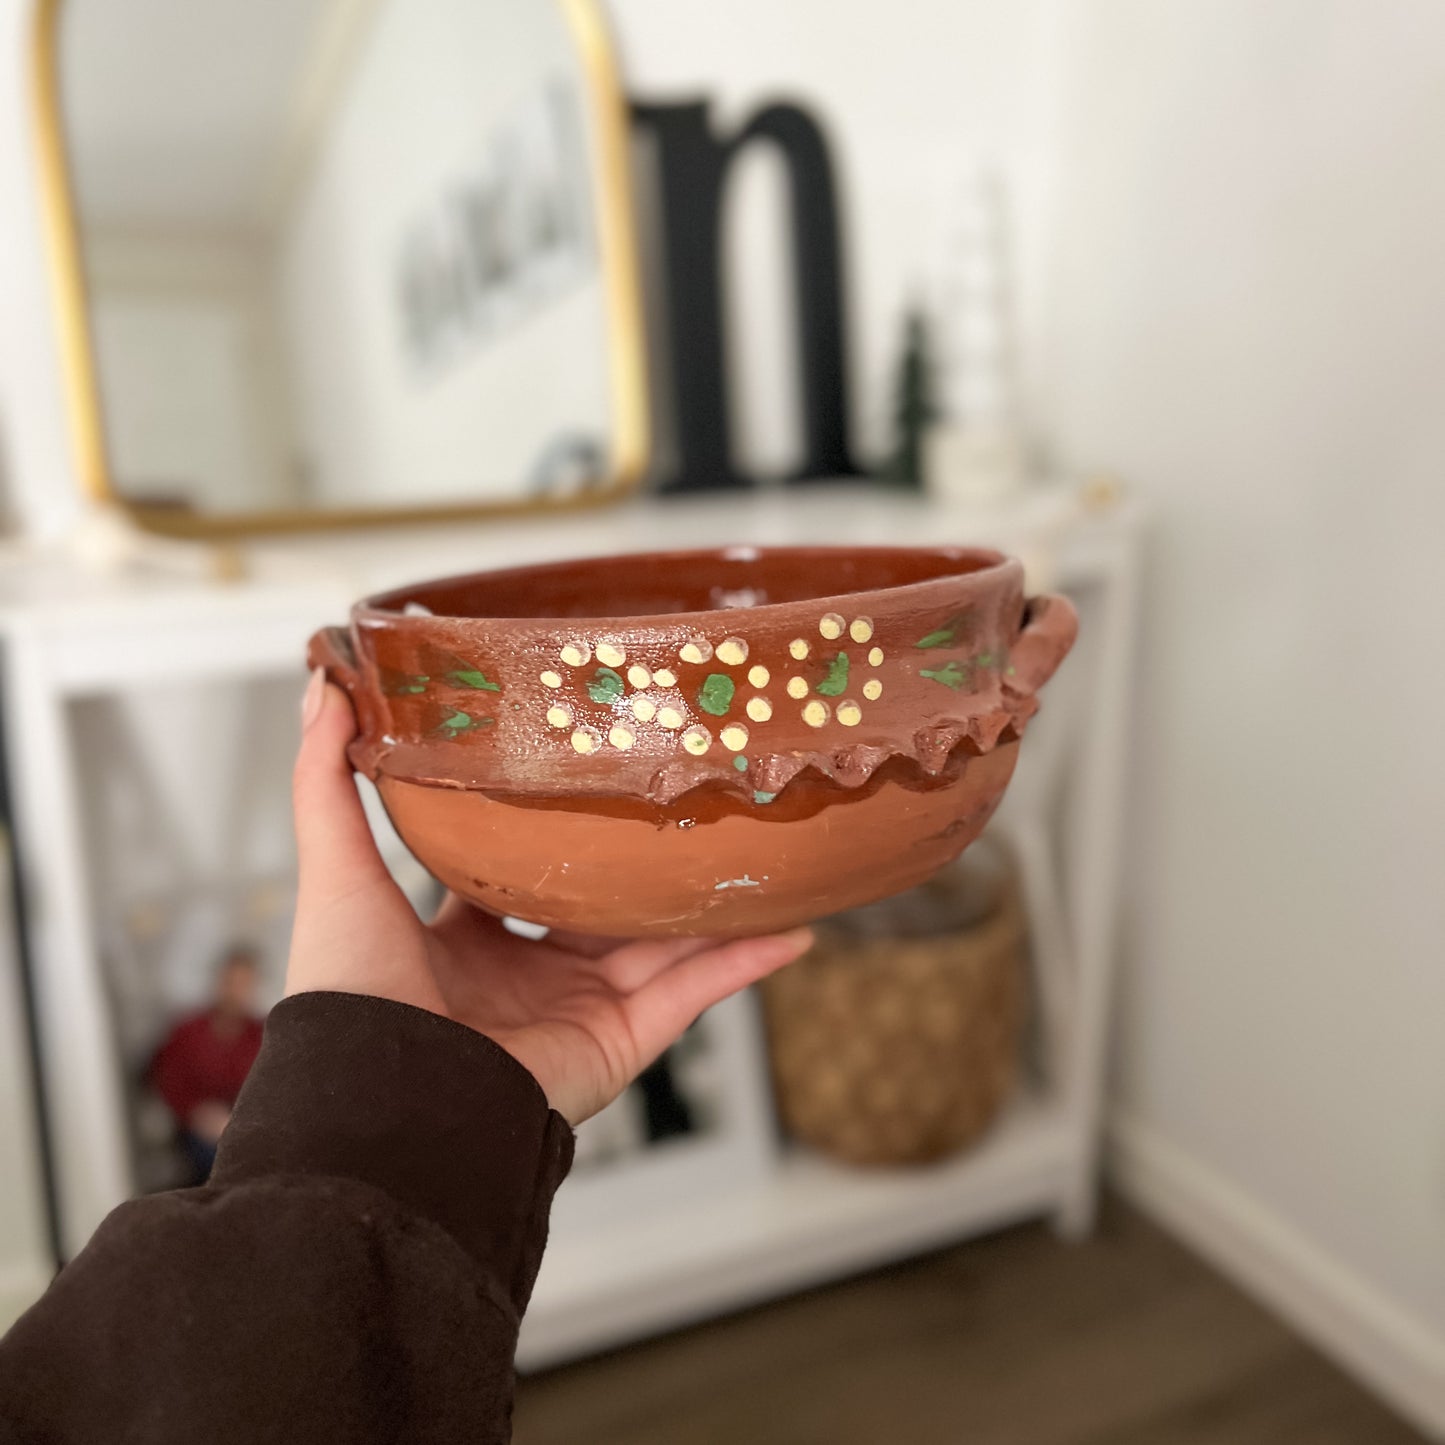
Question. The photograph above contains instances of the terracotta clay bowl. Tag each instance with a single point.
(712, 742)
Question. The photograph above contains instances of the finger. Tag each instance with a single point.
(636, 963)
(336, 852)
(661, 1011)
(624, 964)
(458, 918)
(462, 922)
(585, 945)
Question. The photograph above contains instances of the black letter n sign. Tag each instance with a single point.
(693, 165)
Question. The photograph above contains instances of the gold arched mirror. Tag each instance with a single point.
(336, 261)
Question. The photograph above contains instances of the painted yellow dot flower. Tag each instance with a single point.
(638, 675)
(697, 740)
(559, 717)
(670, 718)
(585, 740)
(875, 657)
(872, 689)
(576, 654)
(831, 626)
(815, 714)
(621, 737)
(698, 650)
(665, 677)
(759, 709)
(644, 709)
(758, 675)
(610, 654)
(732, 652)
(551, 679)
(799, 648)
(849, 714)
(735, 737)
(798, 687)
(860, 629)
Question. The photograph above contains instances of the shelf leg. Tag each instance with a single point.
(1093, 876)
(77, 1044)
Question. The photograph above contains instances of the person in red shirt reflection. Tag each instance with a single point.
(199, 1069)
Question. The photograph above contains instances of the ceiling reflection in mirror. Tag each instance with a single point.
(350, 254)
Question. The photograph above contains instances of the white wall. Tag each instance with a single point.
(170, 141)
(1249, 322)
(1232, 229)
(189, 366)
(916, 100)
(435, 89)
(35, 456)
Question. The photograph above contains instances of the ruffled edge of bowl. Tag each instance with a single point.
(849, 767)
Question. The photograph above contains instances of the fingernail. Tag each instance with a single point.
(311, 699)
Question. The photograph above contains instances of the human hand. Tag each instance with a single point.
(208, 1120)
(583, 1015)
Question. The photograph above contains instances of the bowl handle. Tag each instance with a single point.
(1050, 626)
(331, 649)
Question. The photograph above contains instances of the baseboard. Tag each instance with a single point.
(20, 1287)
(1396, 1354)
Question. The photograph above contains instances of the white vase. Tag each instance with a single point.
(975, 463)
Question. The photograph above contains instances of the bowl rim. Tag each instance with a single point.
(387, 608)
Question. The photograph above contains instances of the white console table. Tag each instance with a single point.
(70, 634)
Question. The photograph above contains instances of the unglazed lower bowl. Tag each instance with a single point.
(716, 743)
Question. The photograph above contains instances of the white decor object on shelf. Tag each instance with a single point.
(974, 450)
(972, 461)
(107, 538)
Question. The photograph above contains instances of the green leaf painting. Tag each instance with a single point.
(456, 723)
(469, 677)
(762, 798)
(716, 694)
(606, 685)
(944, 635)
(403, 684)
(837, 678)
(951, 675)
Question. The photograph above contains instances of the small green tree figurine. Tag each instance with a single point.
(914, 409)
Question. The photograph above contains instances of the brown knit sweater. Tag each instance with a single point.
(355, 1270)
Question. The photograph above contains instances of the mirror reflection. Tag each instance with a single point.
(343, 254)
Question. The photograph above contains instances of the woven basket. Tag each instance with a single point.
(898, 1049)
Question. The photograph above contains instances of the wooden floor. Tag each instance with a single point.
(1013, 1340)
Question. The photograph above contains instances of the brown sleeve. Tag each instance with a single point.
(355, 1270)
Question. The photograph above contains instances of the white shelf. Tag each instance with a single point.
(70, 633)
(106, 631)
(808, 1221)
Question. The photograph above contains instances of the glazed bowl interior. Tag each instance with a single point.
(684, 582)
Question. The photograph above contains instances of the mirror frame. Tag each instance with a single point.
(630, 447)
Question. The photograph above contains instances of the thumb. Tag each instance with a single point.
(336, 853)
(662, 1009)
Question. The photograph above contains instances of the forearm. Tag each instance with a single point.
(355, 1271)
